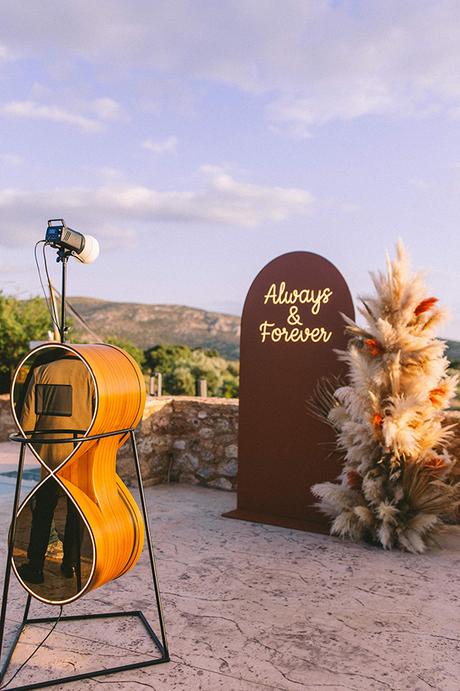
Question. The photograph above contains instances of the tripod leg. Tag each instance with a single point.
(26, 610)
(149, 544)
(9, 558)
(73, 519)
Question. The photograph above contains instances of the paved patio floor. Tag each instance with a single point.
(251, 607)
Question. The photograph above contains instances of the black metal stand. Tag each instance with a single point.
(63, 257)
(161, 645)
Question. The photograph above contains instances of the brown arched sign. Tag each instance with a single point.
(290, 326)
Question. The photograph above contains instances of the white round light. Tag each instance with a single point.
(90, 251)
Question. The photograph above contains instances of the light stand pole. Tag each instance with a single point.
(63, 257)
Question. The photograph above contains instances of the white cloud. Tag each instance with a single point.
(248, 204)
(421, 184)
(109, 173)
(8, 269)
(168, 145)
(220, 200)
(101, 110)
(301, 113)
(5, 53)
(11, 160)
(349, 207)
(108, 109)
(34, 111)
(318, 61)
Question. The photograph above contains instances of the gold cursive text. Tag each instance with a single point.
(278, 295)
(269, 331)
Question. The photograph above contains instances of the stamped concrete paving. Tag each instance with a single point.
(251, 607)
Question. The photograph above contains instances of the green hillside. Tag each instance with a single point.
(149, 325)
(453, 351)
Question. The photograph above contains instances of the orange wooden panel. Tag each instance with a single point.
(89, 474)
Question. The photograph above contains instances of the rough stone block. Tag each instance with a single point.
(221, 483)
(231, 451)
(7, 425)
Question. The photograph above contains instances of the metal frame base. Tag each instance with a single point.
(162, 645)
(95, 673)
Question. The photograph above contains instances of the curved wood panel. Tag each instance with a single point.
(108, 383)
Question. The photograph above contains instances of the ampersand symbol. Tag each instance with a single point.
(294, 318)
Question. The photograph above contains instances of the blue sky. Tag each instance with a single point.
(198, 140)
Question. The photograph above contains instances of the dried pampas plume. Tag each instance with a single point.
(396, 487)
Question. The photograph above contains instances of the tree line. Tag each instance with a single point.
(22, 321)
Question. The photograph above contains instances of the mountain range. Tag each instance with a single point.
(148, 325)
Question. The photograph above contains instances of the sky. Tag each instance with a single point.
(198, 140)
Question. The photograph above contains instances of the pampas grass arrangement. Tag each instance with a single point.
(396, 488)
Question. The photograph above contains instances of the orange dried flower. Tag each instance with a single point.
(354, 479)
(374, 346)
(437, 395)
(377, 420)
(425, 305)
(435, 463)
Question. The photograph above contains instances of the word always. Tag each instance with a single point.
(278, 295)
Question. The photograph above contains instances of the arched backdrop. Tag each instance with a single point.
(291, 325)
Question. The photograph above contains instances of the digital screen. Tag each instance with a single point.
(53, 233)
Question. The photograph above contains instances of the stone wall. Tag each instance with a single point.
(7, 425)
(186, 439)
(180, 439)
